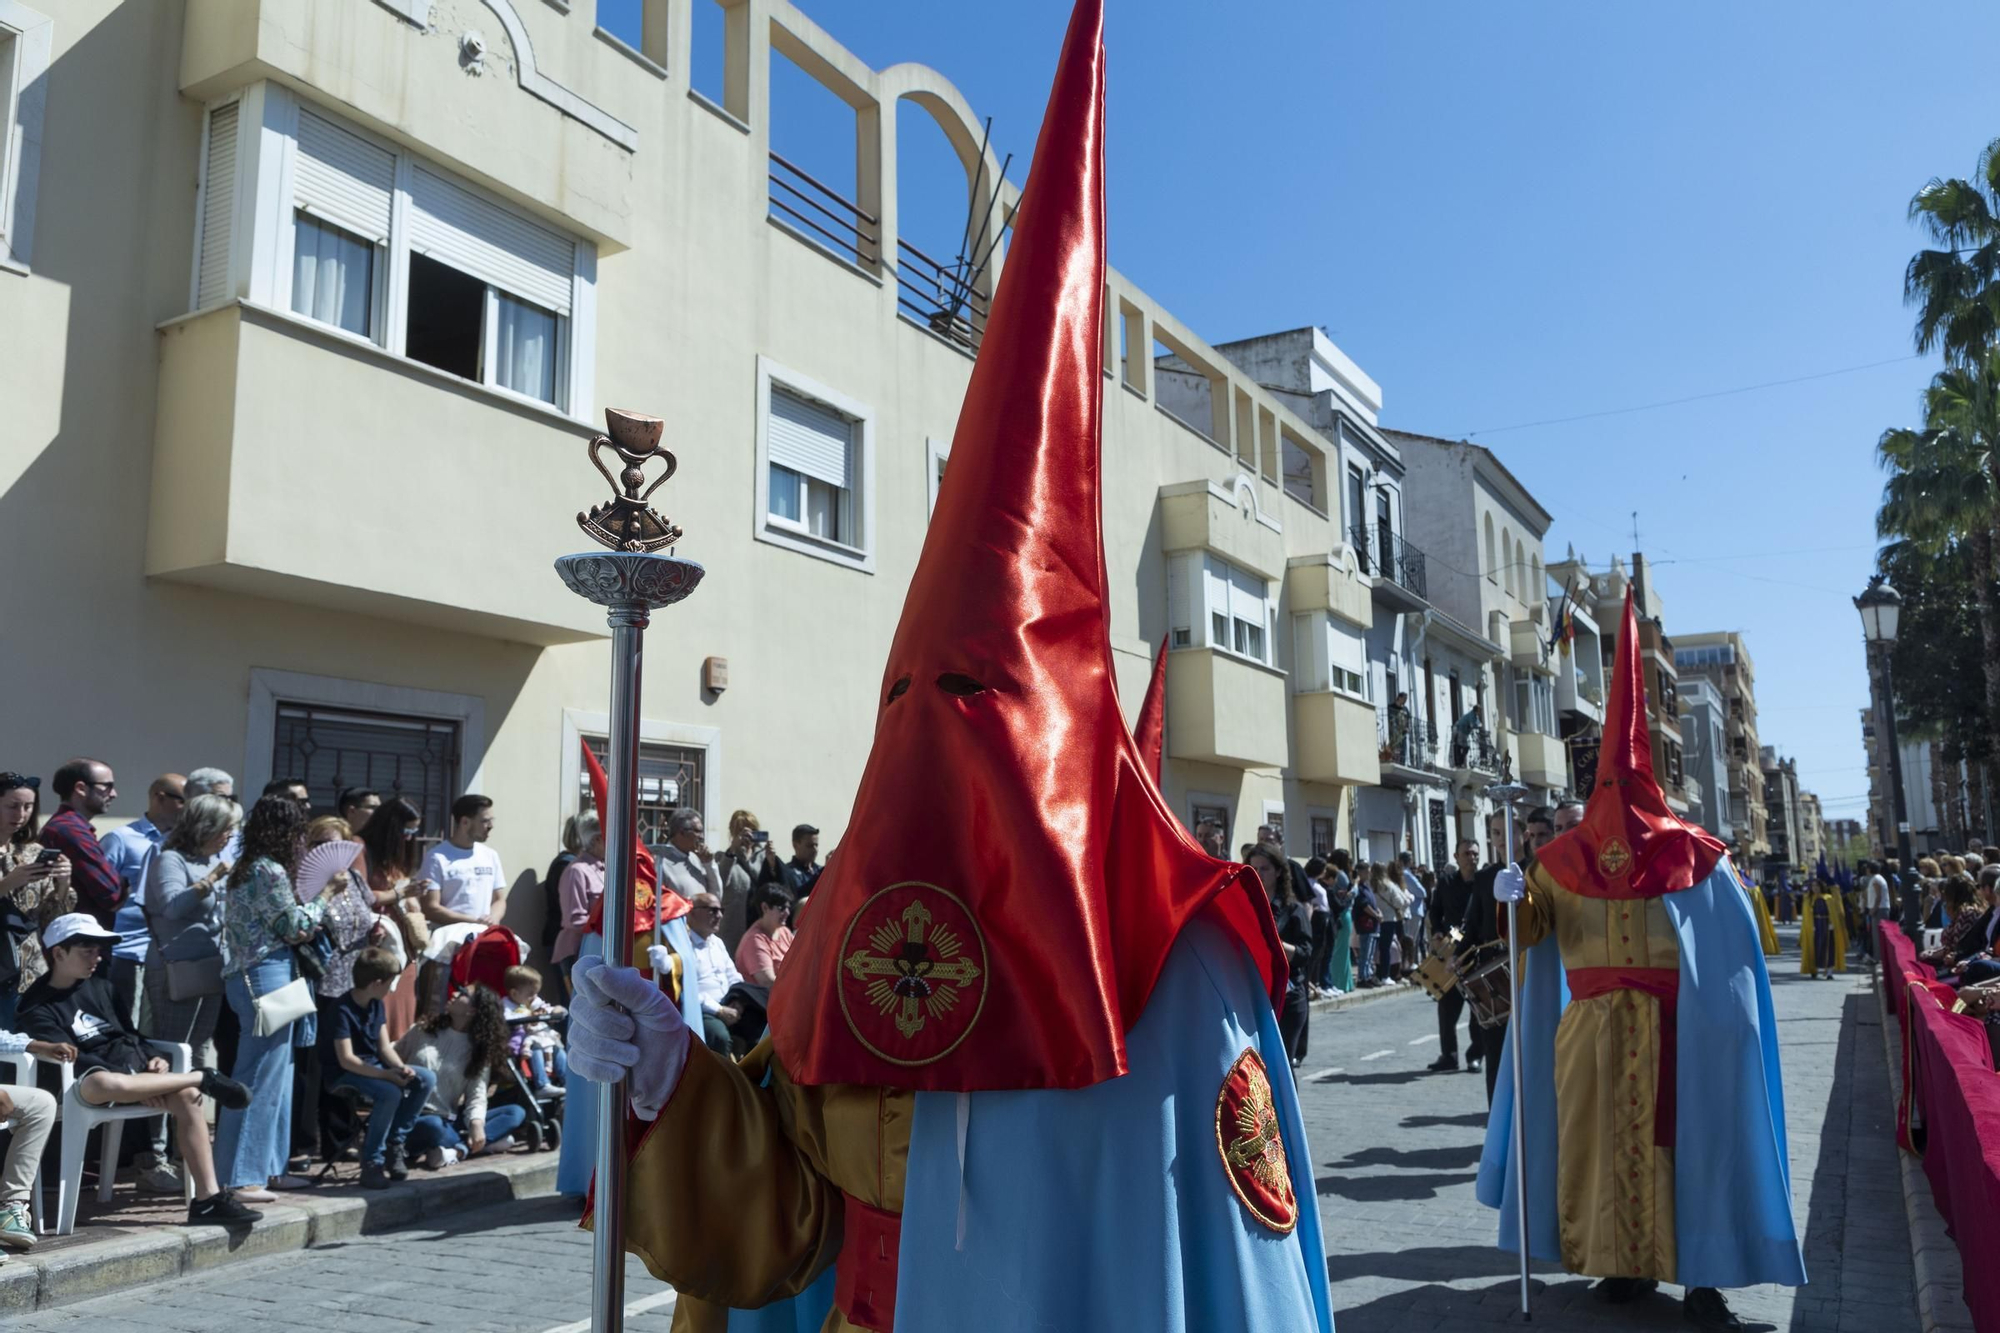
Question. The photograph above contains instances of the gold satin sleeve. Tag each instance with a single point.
(725, 1198)
(1534, 915)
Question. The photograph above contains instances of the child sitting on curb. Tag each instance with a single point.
(355, 1053)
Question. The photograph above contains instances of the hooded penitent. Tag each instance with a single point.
(1629, 845)
(1011, 880)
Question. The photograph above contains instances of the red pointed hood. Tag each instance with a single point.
(1630, 844)
(1151, 733)
(1011, 881)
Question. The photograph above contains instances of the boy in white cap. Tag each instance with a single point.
(71, 1007)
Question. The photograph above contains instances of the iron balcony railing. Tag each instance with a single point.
(821, 214)
(1385, 553)
(941, 297)
(1474, 749)
(1405, 739)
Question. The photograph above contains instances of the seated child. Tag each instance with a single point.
(355, 1053)
(70, 1006)
(528, 1015)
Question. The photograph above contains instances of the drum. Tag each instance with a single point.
(1489, 992)
(1436, 975)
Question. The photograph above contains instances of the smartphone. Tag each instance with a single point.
(49, 856)
(761, 835)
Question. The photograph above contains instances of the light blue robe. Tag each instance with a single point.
(1107, 1208)
(579, 1123)
(1732, 1179)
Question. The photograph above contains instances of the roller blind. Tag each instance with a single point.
(812, 439)
(475, 235)
(218, 205)
(344, 178)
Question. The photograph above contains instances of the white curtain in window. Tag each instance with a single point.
(527, 352)
(331, 272)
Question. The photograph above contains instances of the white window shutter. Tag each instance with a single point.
(473, 234)
(1180, 603)
(343, 178)
(1347, 648)
(1246, 596)
(218, 207)
(811, 439)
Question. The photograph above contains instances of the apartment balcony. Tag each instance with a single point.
(1544, 759)
(1527, 649)
(1336, 740)
(1474, 755)
(1226, 710)
(1407, 756)
(254, 493)
(1402, 580)
(1578, 692)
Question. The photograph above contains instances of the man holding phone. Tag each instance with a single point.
(86, 790)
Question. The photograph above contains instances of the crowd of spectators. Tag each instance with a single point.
(303, 961)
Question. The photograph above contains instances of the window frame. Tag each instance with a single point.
(262, 248)
(1204, 631)
(26, 39)
(795, 535)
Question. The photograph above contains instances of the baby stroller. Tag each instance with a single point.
(483, 960)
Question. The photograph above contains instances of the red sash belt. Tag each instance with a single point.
(864, 1281)
(1663, 984)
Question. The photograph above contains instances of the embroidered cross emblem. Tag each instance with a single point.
(916, 970)
(912, 973)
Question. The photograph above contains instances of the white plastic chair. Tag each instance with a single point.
(23, 1066)
(78, 1117)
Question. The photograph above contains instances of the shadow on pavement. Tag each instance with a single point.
(1826, 1214)
(1413, 1159)
(1558, 1301)
(475, 1218)
(1470, 1120)
(1375, 1080)
(1438, 1263)
(1386, 1189)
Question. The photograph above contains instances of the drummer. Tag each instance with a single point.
(1482, 913)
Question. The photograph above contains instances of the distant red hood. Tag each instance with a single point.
(1011, 879)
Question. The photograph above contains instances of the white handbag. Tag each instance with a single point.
(287, 1004)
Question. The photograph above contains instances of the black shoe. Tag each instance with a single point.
(1472, 1066)
(1624, 1290)
(221, 1209)
(1705, 1308)
(374, 1176)
(1442, 1064)
(398, 1165)
(226, 1090)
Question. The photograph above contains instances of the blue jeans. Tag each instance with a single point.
(434, 1132)
(395, 1108)
(541, 1063)
(251, 1145)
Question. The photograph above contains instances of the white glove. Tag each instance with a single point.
(622, 1026)
(1510, 885)
(662, 960)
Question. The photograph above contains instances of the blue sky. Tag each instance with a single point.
(1510, 214)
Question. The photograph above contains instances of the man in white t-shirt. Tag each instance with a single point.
(1874, 905)
(466, 882)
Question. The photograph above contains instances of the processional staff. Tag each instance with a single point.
(630, 580)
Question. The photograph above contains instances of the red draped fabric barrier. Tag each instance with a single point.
(1951, 1090)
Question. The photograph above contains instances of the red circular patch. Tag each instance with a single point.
(912, 973)
(1252, 1148)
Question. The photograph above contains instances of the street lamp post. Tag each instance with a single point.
(630, 580)
(1881, 608)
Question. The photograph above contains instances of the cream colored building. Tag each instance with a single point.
(308, 307)
(1723, 659)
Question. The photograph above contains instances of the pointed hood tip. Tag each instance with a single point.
(1630, 844)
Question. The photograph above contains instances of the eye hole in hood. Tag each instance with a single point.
(897, 691)
(954, 682)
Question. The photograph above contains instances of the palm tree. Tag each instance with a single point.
(1956, 287)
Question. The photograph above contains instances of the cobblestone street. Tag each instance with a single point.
(1395, 1150)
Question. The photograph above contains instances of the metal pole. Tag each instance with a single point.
(1895, 758)
(628, 627)
(1514, 1068)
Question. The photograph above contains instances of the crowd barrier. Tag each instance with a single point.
(1949, 1114)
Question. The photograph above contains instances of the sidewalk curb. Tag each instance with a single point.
(31, 1282)
(1353, 998)
(1939, 1271)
